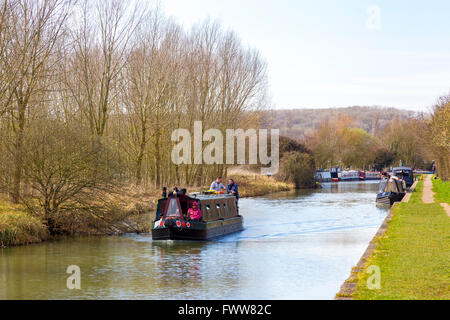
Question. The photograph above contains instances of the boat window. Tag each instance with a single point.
(218, 206)
(173, 210)
(224, 205)
(208, 207)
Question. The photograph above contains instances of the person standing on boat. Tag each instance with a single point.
(233, 189)
(217, 185)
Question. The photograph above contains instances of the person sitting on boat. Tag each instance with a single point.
(232, 188)
(194, 213)
(217, 185)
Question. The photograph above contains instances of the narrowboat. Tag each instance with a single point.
(323, 176)
(362, 175)
(369, 175)
(372, 175)
(220, 217)
(335, 171)
(391, 190)
(405, 174)
(351, 175)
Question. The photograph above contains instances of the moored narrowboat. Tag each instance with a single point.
(219, 217)
(369, 175)
(335, 171)
(372, 175)
(362, 175)
(350, 175)
(391, 190)
(404, 173)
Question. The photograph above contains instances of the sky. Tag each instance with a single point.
(338, 53)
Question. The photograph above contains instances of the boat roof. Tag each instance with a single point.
(401, 168)
(206, 197)
(210, 196)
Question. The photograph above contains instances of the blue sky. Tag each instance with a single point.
(325, 53)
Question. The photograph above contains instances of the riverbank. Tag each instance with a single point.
(128, 212)
(17, 227)
(412, 253)
(258, 185)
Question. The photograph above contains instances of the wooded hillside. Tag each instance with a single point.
(297, 122)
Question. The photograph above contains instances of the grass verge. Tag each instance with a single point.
(442, 190)
(413, 255)
(17, 227)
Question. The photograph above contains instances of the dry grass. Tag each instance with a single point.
(17, 227)
(257, 185)
(127, 210)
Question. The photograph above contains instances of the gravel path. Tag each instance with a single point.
(428, 194)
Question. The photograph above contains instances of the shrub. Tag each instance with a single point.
(298, 168)
(20, 228)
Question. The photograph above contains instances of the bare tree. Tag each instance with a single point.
(33, 30)
(153, 89)
(6, 77)
(90, 92)
(101, 47)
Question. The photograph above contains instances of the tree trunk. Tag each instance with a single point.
(157, 159)
(17, 178)
(140, 157)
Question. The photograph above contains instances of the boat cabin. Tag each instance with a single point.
(391, 191)
(391, 186)
(335, 172)
(405, 174)
(213, 207)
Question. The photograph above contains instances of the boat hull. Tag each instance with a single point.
(199, 231)
(390, 199)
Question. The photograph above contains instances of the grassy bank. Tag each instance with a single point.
(442, 190)
(413, 254)
(17, 227)
(258, 185)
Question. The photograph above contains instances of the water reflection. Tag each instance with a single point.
(298, 245)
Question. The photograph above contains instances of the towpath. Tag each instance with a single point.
(428, 194)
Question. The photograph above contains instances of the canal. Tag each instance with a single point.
(299, 245)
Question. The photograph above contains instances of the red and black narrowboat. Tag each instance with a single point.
(220, 217)
(362, 175)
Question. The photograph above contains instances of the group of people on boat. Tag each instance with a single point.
(232, 187)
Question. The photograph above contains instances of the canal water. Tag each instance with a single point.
(298, 245)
